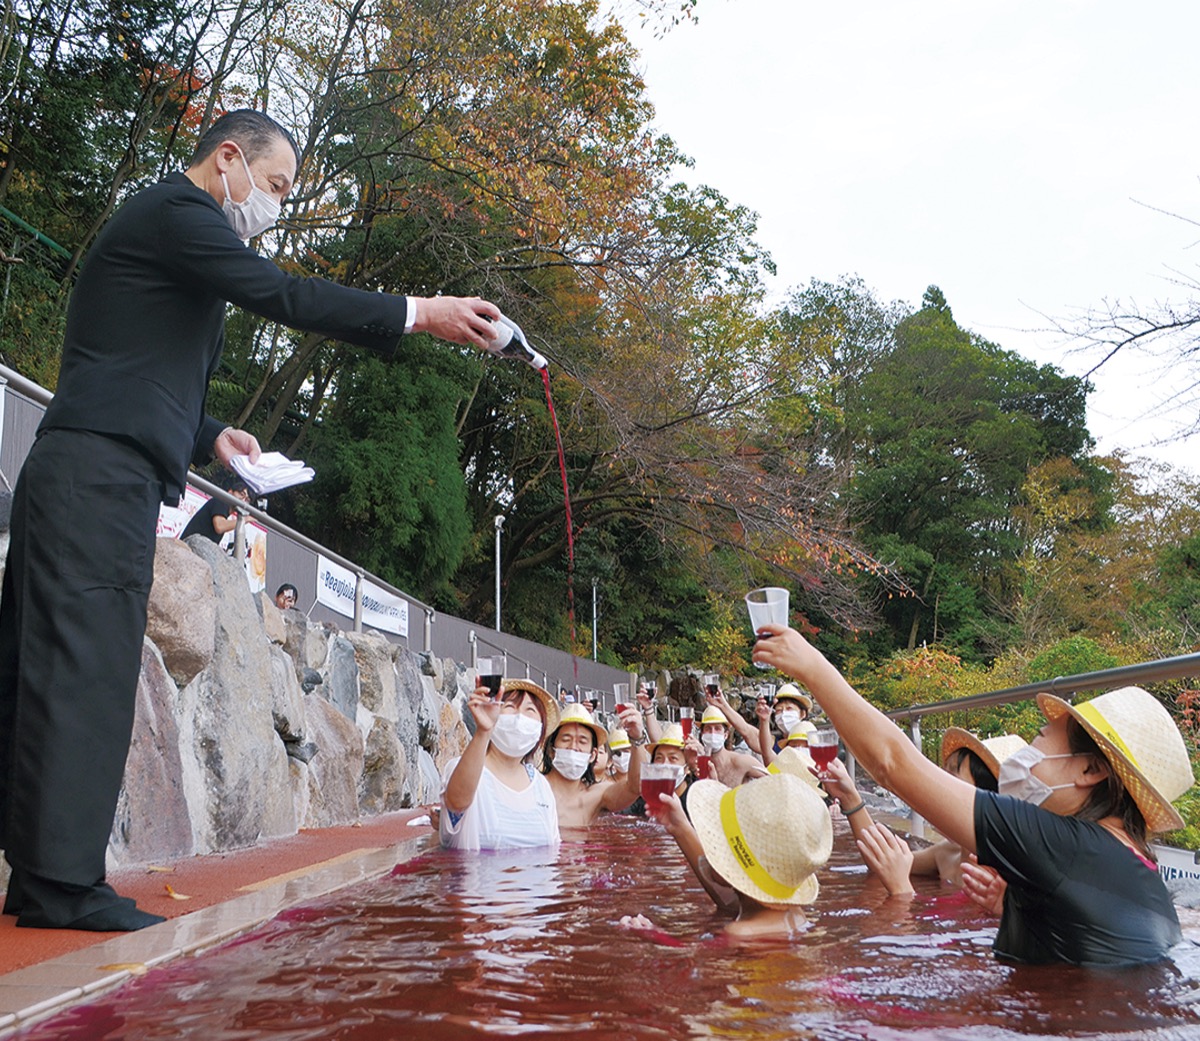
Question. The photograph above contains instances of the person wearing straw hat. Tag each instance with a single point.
(568, 759)
(492, 797)
(620, 753)
(1068, 829)
(683, 754)
(887, 856)
(756, 849)
(976, 761)
(731, 768)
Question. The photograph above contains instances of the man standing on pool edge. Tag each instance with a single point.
(144, 335)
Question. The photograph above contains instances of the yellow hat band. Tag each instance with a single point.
(741, 851)
(1092, 714)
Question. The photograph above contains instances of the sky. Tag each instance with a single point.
(1012, 153)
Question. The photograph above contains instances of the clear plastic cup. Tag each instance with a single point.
(767, 606)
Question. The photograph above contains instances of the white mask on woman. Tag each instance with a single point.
(255, 213)
(515, 734)
(1017, 779)
(788, 719)
(621, 761)
(570, 763)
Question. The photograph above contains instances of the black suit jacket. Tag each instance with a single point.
(145, 325)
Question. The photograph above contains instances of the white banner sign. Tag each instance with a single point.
(381, 609)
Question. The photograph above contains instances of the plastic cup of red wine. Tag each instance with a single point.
(704, 766)
(823, 747)
(491, 674)
(658, 779)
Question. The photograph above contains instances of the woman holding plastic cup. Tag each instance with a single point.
(1068, 830)
(492, 797)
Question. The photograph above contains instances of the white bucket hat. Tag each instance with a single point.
(766, 838)
(1142, 745)
(992, 750)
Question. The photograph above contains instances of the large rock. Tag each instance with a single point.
(383, 786)
(182, 614)
(273, 623)
(376, 673)
(334, 771)
(152, 819)
(287, 699)
(430, 791)
(228, 710)
(341, 677)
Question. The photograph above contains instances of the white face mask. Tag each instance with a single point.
(254, 214)
(515, 734)
(787, 720)
(1017, 779)
(570, 763)
(679, 774)
(621, 761)
(712, 741)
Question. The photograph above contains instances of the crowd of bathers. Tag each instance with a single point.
(1051, 836)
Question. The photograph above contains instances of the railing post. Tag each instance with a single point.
(473, 640)
(918, 822)
(358, 597)
(239, 539)
(428, 631)
(851, 766)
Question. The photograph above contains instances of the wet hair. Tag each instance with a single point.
(981, 776)
(515, 697)
(255, 132)
(1109, 798)
(589, 775)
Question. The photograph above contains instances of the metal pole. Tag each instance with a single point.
(499, 525)
(428, 630)
(358, 604)
(918, 822)
(594, 581)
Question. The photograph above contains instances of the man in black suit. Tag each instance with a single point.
(144, 336)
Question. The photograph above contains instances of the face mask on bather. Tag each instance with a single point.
(515, 734)
(1017, 779)
(570, 763)
(621, 761)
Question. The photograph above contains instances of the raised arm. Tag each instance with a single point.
(875, 741)
(622, 793)
(464, 782)
(649, 713)
(886, 860)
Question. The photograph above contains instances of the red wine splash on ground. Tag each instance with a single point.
(562, 466)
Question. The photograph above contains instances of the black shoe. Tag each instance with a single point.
(47, 904)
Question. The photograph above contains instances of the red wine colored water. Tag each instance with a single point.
(562, 466)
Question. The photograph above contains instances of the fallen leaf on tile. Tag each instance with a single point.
(134, 968)
(152, 868)
(356, 824)
(173, 895)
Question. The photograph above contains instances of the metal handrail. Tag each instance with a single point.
(1145, 672)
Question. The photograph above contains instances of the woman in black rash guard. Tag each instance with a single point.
(1067, 830)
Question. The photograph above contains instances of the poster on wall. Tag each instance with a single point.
(381, 609)
(173, 519)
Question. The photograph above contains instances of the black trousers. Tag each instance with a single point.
(72, 620)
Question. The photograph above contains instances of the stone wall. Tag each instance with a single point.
(253, 722)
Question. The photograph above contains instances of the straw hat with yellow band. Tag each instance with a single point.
(1142, 745)
(577, 713)
(992, 750)
(798, 735)
(714, 716)
(766, 838)
(618, 740)
(549, 705)
(790, 692)
(798, 763)
(672, 737)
